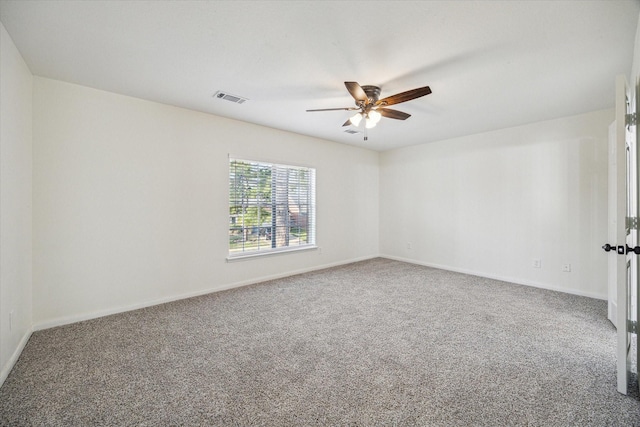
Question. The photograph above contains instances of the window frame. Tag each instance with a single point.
(310, 206)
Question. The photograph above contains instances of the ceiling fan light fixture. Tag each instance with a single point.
(355, 120)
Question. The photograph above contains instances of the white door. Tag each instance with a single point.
(623, 228)
(633, 286)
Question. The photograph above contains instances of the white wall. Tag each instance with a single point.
(131, 202)
(15, 203)
(490, 204)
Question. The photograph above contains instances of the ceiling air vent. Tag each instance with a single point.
(351, 131)
(228, 97)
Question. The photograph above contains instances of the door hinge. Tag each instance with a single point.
(631, 222)
(632, 326)
(630, 119)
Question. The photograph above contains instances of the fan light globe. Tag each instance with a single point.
(374, 116)
(355, 120)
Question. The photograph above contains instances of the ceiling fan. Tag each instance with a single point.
(371, 108)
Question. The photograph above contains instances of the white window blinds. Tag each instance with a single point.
(271, 207)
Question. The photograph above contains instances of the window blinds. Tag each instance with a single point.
(271, 207)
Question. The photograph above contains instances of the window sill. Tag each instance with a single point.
(243, 256)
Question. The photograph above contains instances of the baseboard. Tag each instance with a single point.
(515, 280)
(6, 369)
(60, 321)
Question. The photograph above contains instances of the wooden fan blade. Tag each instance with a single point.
(334, 109)
(347, 123)
(357, 92)
(405, 96)
(393, 114)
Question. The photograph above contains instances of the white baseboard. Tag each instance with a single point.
(515, 280)
(93, 315)
(6, 369)
(60, 321)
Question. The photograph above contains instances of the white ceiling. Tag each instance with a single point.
(490, 64)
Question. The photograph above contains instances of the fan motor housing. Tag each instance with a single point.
(373, 92)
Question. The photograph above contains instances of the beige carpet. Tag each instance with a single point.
(378, 342)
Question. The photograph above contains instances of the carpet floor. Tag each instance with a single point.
(378, 342)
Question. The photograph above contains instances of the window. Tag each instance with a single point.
(271, 207)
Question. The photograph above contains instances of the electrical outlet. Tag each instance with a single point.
(537, 263)
(566, 268)
(409, 245)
